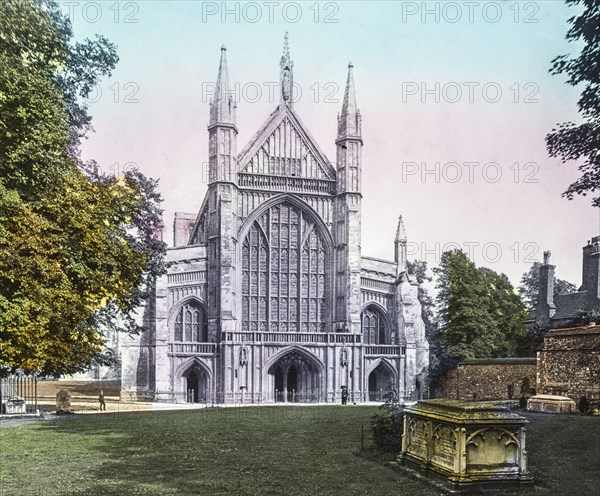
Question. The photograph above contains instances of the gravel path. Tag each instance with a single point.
(6, 422)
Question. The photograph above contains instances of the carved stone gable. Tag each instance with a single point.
(283, 147)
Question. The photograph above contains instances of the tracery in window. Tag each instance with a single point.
(191, 323)
(283, 273)
(373, 327)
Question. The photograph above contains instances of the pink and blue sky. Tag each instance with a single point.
(459, 89)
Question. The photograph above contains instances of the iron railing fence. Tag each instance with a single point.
(18, 395)
(278, 396)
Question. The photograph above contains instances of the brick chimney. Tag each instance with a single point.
(591, 269)
(545, 306)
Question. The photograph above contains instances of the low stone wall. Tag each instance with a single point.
(489, 379)
(569, 363)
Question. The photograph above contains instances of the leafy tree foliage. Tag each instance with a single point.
(471, 330)
(509, 313)
(75, 252)
(86, 63)
(479, 313)
(387, 424)
(443, 358)
(581, 142)
(530, 283)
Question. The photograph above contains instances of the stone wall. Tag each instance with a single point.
(183, 225)
(569, 363)
(488, 379)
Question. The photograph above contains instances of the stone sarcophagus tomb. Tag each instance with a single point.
(551, 404)
(470, 445)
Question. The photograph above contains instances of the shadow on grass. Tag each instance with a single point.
(259, 450)
(563, 451)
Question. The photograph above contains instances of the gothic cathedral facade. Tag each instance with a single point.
(267, 295)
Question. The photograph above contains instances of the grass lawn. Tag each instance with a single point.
(261, 450)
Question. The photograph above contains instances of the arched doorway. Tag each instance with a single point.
(295, 379)
(195, 382)
(381, 382)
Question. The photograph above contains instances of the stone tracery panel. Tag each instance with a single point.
(374, 327)
(385, 300)
(179, 292)
(249, 200)
(283, 273)
(286, 153)
(190, 324)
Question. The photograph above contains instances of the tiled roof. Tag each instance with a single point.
(569, 305)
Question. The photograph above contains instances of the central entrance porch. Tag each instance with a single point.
(295, 378)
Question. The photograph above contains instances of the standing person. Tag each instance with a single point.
(101, 400)
(344, 395)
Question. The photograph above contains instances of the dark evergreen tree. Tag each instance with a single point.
(471, 331)
(442, 358)
(509, 312)
(479, 313)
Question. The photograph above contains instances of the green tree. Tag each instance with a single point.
(73, 251)
(509, 312)
(479, 313)
(443, 358)
(471, 330)
(530, 283)
(581, 142)
(87, 62)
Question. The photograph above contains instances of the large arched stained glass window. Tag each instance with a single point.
(283, 273)
(373, 327)
(191, 324)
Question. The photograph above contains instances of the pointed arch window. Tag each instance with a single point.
(283, 273)
(374, 327)
(191, 324)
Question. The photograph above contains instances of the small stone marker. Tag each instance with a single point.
(63, 401)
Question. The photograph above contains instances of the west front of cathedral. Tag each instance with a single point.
(267, 296)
